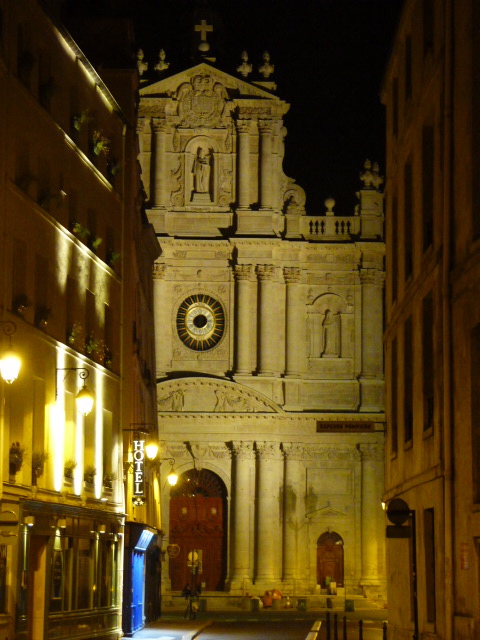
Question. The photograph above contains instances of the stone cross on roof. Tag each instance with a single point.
(204, 28)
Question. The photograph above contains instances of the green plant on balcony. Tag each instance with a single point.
(95, 242)
(108, 479)
(20, 304)
(89, 474)
(80, 231)
(68, 468)
(42, 314)
(112, 257)
(100, 144)
(80, 119)
(38, 464)
(76, 336)
(15, 459)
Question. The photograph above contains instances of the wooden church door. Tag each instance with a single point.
(197, 517)
(330, 559)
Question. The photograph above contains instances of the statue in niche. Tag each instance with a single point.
(201, 171)
(331, 335)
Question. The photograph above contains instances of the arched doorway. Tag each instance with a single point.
(198, 516)
(330, 559)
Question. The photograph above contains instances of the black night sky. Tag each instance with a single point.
(329, 57)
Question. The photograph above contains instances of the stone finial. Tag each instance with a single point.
(266, 69)
(329, 203)
(245, 68)
(370, 177)
(161, 64)
(141, 65)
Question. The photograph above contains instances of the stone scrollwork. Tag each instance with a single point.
(201, 102)
(268, 450)
(243, 450)
(176, 196)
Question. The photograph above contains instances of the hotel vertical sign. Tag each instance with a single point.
(138, 472)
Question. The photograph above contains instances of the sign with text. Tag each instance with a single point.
(138, 470)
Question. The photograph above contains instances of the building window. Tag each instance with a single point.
(395, 107)
(475, 409)
(429, 547)
(408, 381)
(408, 68)
(408, 218)
(428, 361)
(394, 397)
(475, 128)
(3, 578)
(427, 184)
(394, 245)
(20, 302)
(428, 26)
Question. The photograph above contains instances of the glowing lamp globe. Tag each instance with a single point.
(151, 449)
(84, 401)
(172, 478)
(9, 366)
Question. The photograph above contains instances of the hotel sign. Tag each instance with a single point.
(138, 472)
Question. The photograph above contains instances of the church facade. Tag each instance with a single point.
(269, 357)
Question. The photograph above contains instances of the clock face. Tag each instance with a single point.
(200, 322)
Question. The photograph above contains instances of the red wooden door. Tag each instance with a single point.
(330, 563)
(196, 525)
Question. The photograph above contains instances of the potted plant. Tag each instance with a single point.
(38, 464)
(101, 144)
(42, 314)
(80, 231)
(89, 474)
(81, 119)
(21, 304)
(112, 257)
(68, 468)
(15, 459)
(75, 333)
(108, 479)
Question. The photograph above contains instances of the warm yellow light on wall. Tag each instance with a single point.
(9, 363)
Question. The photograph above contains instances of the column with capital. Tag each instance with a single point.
(269, 535)
(294, 522)
(243, 164)
(371, 506)
(267, 338)
(243, 299)
(295, 323)
(160, 311)
(266, 129)
(243, 480)
(159, 162)
(372, 282)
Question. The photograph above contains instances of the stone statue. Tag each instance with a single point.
(266, 69)
(201, 171)
(161, 64)
(331, 335)
(172, 401)
(245, 68)
(141, 65)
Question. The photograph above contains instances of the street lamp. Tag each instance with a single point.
(9, 362)
(84, 399)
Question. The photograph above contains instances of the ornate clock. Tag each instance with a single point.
(200, 322)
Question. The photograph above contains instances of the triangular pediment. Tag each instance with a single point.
(168, 86)
(209, 395)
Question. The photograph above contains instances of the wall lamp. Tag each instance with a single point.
(9, 361)
(84, 399)
(173, 475)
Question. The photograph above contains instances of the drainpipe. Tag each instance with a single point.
(447, 322)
